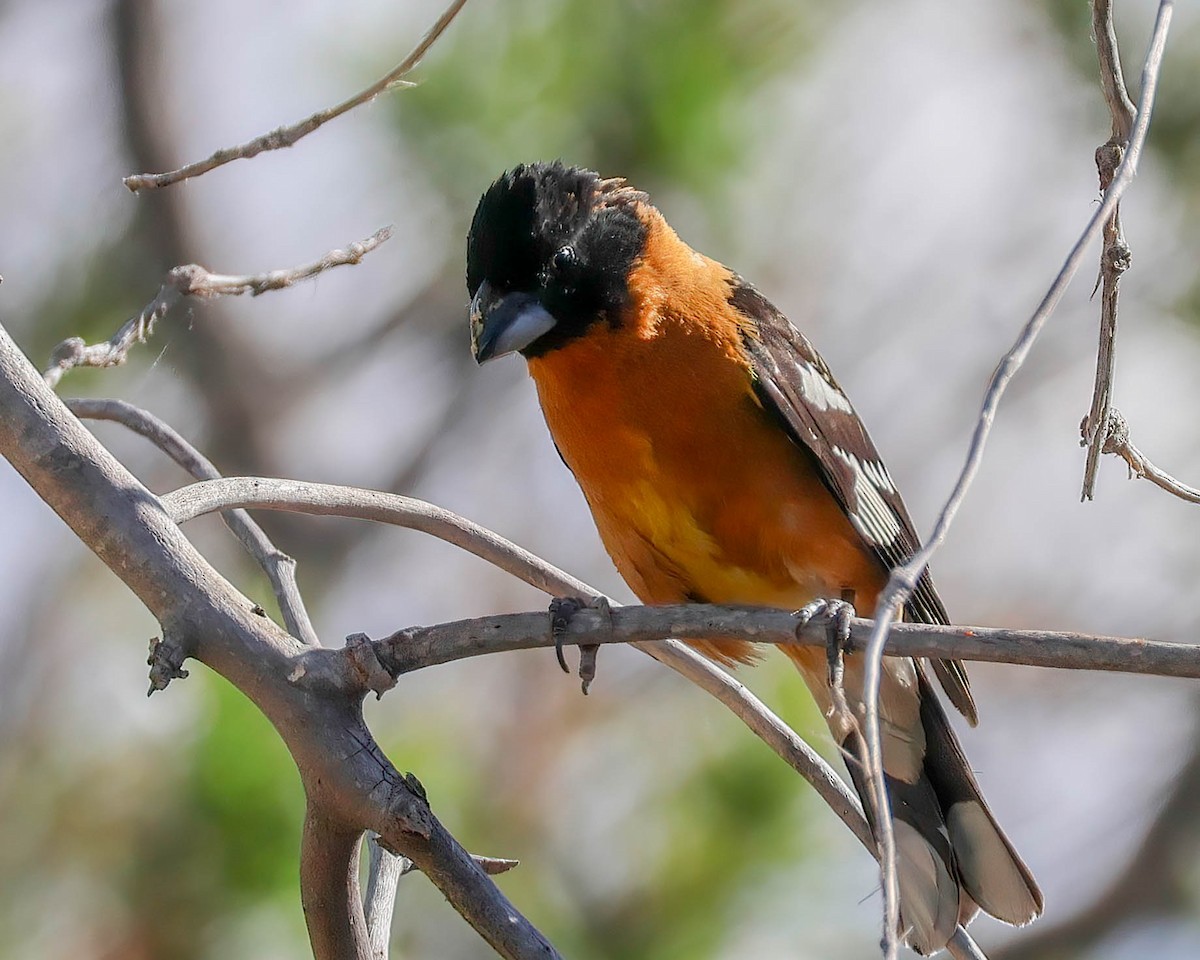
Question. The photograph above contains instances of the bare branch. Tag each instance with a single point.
(1112, 81)
(346, 777)
(329, 500)
(322, 499)
(287, 136)
(962, 947)
(383, 876)
(1115, 255)
(1116, 440)
(277, 565)
(193, 280)
(903, 579)
(415, 648)
(329, 893)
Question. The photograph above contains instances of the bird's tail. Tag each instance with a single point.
(952, 856)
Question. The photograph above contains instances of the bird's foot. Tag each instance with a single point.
(562, 609)
(837, 615)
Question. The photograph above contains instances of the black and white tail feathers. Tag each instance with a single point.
(952, 856)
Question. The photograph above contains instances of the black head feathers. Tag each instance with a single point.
(560, 233)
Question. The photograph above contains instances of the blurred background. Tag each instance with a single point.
(902, 179)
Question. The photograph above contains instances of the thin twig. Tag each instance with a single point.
(1115, 255)
(1116, 440)
(277, 565)
(962, 947)
(287, 136)
(193, 280)
(903, 579)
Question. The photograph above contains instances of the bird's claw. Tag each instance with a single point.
(837, 615)
(562, 609)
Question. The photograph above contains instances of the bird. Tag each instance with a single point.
(723, 463)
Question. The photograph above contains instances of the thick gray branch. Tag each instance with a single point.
(347, 778)
(329, 889)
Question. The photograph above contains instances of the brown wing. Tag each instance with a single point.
(792, 380)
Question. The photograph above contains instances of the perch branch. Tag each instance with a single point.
(287, 136)
(1115, 255)
(1116, 440)
(329, 500)
(347, 779)
(277, 565)
(903, 579)
(193, 280)
(415, 648)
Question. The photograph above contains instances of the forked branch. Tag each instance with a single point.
(193, 280)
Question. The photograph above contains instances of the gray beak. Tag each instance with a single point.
(504, 323)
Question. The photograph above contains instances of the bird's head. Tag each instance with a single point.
(548, 256)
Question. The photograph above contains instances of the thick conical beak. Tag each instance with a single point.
(504, 323)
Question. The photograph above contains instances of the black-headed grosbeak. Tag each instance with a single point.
(723, 464)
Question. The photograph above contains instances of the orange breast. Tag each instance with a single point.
(698, 493)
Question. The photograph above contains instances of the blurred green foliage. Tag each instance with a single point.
(652, 91)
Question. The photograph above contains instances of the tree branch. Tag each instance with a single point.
(333, 910)
(1115, 255)
(347, 778)
(277, 565)
(903, 579)
(414, 648)
(329, 500)
(1116, 440)
(383, 876)
(193, 280)
(287, 136)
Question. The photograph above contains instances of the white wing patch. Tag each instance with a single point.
(870, 513)
(818, 391)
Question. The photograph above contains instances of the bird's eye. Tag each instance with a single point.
(564, 259)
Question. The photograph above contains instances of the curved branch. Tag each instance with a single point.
(287, 136)
(330, 500)
(277, 565)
